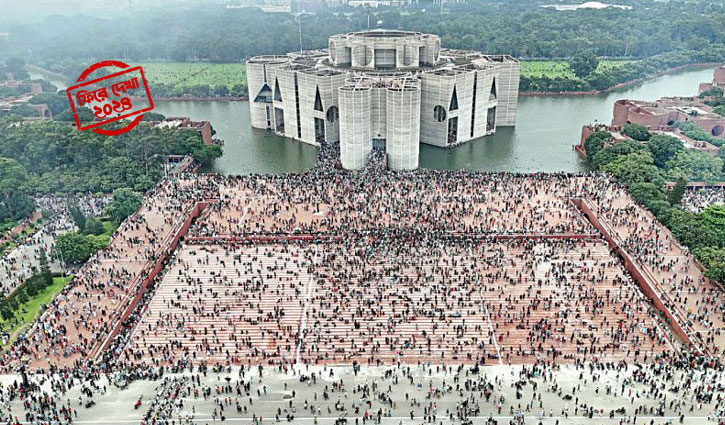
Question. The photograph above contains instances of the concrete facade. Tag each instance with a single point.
(388, 90)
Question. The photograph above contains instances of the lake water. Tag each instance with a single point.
(546, 129)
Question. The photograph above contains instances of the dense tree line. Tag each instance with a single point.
(209, 32)
(668, 34)
(645, 166)
(643, 68)
(53, 156)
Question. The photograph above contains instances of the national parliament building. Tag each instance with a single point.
(382, 89)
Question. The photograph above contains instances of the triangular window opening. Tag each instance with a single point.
(265, 94)
(277, 93)
(454, 100)
(318, 101)
(493, 90)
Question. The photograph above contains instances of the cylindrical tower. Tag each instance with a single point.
(355, 132)
(340, 54)
(255, 84)
(403, 141)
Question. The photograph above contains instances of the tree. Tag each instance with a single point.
(15, 199)
(23, 111)
(76, 248)
(60, 158)
(694, 165)
(125, 202)
(238, 90)
(207, 154)
(72, 248)
(200, 90)
(646, 192)
(84, 115)
(714, 261)
(76, 215)
(45, 272)
(595, 142)
(56, 103)
(663, 148)
(691, 130)
(612, 152)
(93, 226)
(16, 66)
(712, 91)
(636, 167)
(221, 90)
(693, 231)
(674, 197)
(636, 132)
(713, 217)
(720, 110)
(583, 63)
(153, 116)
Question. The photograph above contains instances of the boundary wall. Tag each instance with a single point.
(150, 271)
(646, 282)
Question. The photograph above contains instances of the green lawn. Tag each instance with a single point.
(7, 225)
(31, 310)
(187, 74)
(182, 75)
(555, 69)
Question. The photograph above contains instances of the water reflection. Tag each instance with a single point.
(547, 127)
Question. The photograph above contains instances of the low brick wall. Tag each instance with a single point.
(639, 275)
(157, 267)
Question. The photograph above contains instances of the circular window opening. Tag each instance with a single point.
(439, 113)
(332, 114)
(717, 130)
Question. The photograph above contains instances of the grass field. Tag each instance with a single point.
(187, 74)
(183, 75)
(31, 309)
(554, 69)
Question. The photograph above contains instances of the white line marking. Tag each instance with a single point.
(490, 329)
(303, 317)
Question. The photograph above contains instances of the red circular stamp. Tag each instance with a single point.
(109, 97)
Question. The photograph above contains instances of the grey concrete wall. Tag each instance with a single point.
(483, 102)
(508, 93)
(286, 79)
(435, 90)
(255, 82)
(328, 91)
(464, 93)
(307, 84)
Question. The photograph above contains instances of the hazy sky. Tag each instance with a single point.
(23, 11)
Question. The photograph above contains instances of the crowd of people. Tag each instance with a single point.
(423, 393)
(381, 269)
(696, 302)
(697, 199)
(24, 260)
(381, 302)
